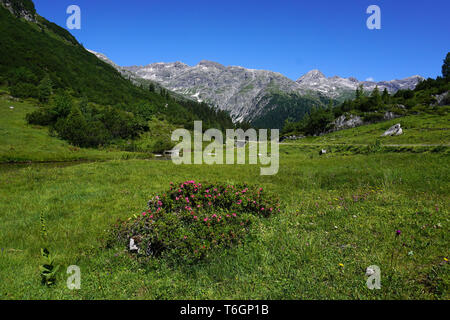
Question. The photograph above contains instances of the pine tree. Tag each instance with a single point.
(151, 87)
(446, 67)
(45, 89)
(73, 128)
(375, 99)
(385, 97)
(359, 91)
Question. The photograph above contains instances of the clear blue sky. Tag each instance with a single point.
(290, 37)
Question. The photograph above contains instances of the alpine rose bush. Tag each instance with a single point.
(191, 219)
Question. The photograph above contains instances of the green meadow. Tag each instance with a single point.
(341, 214)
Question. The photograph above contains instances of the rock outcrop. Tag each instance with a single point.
(395, 130)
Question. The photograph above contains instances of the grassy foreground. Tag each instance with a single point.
(341, 216)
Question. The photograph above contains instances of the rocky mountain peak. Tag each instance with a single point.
(21, 8)
(210, 64)
(311, 76)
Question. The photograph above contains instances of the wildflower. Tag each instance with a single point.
(445, 259)
(195, 218)
(214, 215)
(206, 219)
(398, 232)
(341, 265)
(144, 213)
(185, 237)
(234, 214)
(151, 217)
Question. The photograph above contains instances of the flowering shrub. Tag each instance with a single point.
(191, 219)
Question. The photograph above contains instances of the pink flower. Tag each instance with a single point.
(206, 219)
(144, 213)
(151, 217)
(185, 237)
(262, 209)
(234, 214)
(214, 216)
(210, 203)
(195, 217)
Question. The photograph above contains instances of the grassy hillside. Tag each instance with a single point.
(279, 107)
(36, 55)
(424, 129)
(20, 142)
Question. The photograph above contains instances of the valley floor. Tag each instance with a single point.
(341, 215)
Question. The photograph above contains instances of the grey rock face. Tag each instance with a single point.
(345, 122)
(441, 98)
(395, 130)
(234, 89)
(336, 86)
(243, 92)
(18, 10)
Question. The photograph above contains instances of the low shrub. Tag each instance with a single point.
(191, 219)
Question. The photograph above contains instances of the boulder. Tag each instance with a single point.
(395, 130)
(133, 246)
(345, 122)
(441, 99)
(323, 151)
(389, 115)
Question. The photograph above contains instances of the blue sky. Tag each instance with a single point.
(286, 36)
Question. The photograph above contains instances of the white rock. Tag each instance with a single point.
(395, 130)
(369, 271)
(133, 246)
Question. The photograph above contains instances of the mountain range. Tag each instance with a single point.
(257, 96)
